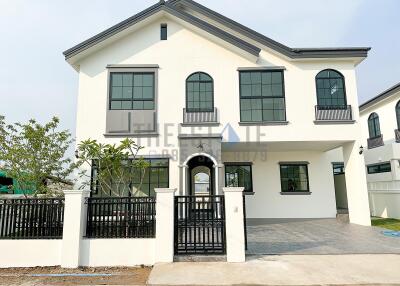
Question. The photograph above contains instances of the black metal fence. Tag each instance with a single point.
(121, 217)
(199, 225)
(31, 218)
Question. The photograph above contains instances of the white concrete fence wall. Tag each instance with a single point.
(74, 250)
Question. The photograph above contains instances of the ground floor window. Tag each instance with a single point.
(142, 182)
(294, 177)
(338, 168)
(239, 175)
(379, 168)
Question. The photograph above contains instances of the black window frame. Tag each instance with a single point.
(397, 110)
(163, 32)
(374, 118)
(338, 168)
(132, 99)
(261, 97)
(239, 164)
(187, 81)
(380, 168)
(94, 183)
(330, 106)
(282, 164)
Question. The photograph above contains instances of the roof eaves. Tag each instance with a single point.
(213, 30)
(165, 6)
(390, 91)
(113, 30)
(293, 53)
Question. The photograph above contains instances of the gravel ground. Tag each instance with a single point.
(98, 276)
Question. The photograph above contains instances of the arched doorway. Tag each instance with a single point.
(201, 176)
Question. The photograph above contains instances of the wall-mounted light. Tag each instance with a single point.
(76, 154)
(361, 150)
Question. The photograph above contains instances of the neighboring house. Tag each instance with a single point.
(207, 95)
(380, 119)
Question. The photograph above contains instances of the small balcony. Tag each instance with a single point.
(333, 114)
(375, 142)
(200, 117)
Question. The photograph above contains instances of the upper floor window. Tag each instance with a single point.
(163, 32)
(199, 92)
(132, 91)
(398, 114)
(262, 96)
(331, 90)
(373, 126)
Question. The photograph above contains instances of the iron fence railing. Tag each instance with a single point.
(333, 113)
(121, 217)
(38, 218)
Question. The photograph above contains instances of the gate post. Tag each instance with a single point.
(234, 217)
(164, 225)
(74, 227)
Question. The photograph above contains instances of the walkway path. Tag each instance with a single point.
(284, 270)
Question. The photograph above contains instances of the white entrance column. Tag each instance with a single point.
(216, 174)
(165, 225)
(356, 184)
(234, 224)
(184, 170)
(74, 227)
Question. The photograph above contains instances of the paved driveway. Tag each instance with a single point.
(318, 236)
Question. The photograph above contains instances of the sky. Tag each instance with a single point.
(36, 82)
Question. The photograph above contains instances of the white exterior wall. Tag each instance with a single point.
(117, 252)
(267, 202)
(177, 61)
(384, 188)
(188, 50)
(30, 252)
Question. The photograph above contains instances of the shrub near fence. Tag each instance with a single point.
(39, 218)
(121, 217)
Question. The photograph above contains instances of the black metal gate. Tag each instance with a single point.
(199, 225)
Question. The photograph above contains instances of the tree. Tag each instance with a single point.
(34, 155)
(116, 166)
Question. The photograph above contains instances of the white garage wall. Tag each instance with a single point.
(267, 202)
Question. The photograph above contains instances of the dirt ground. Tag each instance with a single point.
(99, 276)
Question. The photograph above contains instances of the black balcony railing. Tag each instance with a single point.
(196, 117)
(375, 142)
(333, 112)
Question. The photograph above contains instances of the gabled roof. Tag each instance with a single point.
(387, 93)
(171, 9)
(174, 7)
(287, 51)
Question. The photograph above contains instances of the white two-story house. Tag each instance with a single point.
(217, 104)
(380, 119)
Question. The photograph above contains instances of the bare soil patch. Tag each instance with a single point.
(95, 276)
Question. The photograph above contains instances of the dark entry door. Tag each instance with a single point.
(199, 225)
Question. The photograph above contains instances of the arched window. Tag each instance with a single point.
(373, 126)
(331, 90)
(199, 93)
(398, 114)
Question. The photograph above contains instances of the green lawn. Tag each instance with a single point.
(388, 223)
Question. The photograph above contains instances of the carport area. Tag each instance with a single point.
(316, 236)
